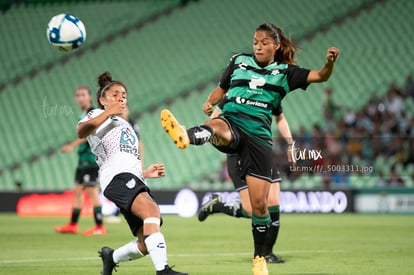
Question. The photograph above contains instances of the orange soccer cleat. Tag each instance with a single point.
(70, 228)
(174, 129)
(96, 230)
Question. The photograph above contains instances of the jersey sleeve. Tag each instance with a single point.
(226, 76)
(136, 128)
(91, 114)
(278, 110)
(297, 77)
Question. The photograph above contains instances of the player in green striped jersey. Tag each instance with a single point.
(86, 175)
(251, 86)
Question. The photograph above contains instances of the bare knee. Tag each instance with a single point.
(259, 206)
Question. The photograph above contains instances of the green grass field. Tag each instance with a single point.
(310, 244)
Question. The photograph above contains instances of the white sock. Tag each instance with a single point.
(127, 252)
(157, 250)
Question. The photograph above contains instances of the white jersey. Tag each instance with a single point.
(115, 145)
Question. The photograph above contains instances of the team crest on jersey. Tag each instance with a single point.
(275, 72)
(256, 82)
(131, 184)
(127, 137)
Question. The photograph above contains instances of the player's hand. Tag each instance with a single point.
(155, 171)
(332, 54)
(66, 148)
(207, 108)
(291, 154)
(116, 109)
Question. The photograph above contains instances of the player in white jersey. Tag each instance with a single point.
(122, 177)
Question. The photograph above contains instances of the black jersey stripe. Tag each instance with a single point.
(262, 71)
(243, 66)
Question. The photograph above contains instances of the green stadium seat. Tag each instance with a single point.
(194, 47)
(25, 27)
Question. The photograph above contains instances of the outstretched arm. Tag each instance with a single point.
(325, 72)
(71, 145)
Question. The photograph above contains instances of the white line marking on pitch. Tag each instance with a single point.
(229, 254)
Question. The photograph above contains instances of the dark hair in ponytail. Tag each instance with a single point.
(105, 82)
(286, 52)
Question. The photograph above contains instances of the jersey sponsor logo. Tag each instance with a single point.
(128, 142)
(241, 100)
(256, 82)
(131, 184)
(127, 137)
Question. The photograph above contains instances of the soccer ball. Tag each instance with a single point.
(66, 32)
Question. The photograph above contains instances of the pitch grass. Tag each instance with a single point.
(310, 244)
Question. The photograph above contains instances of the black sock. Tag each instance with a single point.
(260, 229)
(233, 208)
(200, 134)
(97, 214)
(274, 228)
(75, 215)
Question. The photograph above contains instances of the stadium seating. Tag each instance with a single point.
(26, 46)
(175, 54)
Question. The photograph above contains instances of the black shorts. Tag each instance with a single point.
(235, 172)
(255, 157)
(87, 176)
(122, 190)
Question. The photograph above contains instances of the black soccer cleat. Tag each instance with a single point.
(273, 259)
(207, 208)
(169, 271)
(107, 261)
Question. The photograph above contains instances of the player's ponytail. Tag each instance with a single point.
(105, 81)
(286, 53)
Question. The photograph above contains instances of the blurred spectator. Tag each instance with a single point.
(409, 86)
(19, 186)
(349, 118)
(381, 181)
(394, 101)
(330, 109)
(380, 129)
(395, 180)
(410, 154)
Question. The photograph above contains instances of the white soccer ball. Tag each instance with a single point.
(66, 32)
